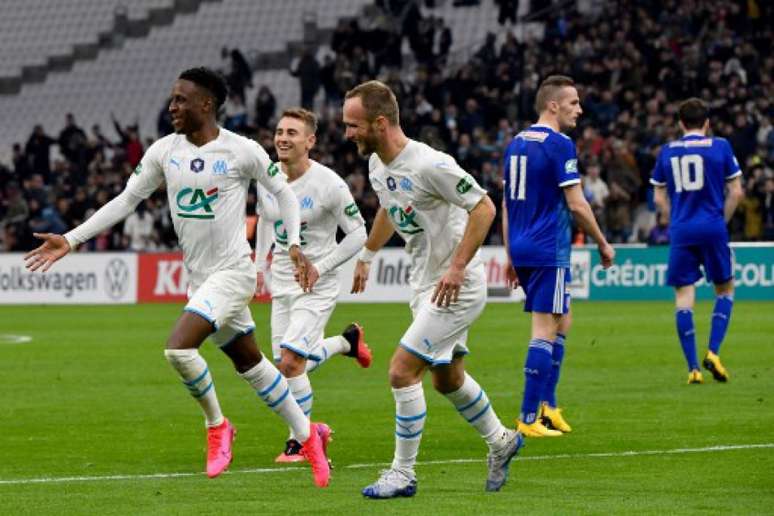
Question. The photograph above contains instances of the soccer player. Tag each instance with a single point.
(443, 215)
(207, 171)
(691, 175)
(298, 317)
(542, 189)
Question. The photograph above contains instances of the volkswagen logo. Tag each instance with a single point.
(116, 278)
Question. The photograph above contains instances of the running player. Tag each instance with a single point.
(691, 175)
(443, 215)
(207, 171)
(542, 188)
(298, 318)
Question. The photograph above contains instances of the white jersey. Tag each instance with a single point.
(325, 203)
(207, 192)
(427, 197)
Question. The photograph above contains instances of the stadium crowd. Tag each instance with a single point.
(633, 60)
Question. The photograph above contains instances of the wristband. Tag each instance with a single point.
(366, 255)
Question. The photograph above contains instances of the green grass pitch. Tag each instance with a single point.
(94, 421)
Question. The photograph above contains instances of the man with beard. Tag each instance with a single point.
(443, 215)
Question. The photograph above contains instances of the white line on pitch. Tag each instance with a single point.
(633, 453)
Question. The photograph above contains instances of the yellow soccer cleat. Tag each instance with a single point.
(695, 377)
(536, 429)
(552, 418)
(712, 364)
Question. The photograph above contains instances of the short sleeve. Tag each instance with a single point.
(731, 165)
(445, 178)
(149, 173)
(344, 207)
(658, 177)
(258, 166)
(566, 163)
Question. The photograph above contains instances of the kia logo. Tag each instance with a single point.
(116, 278)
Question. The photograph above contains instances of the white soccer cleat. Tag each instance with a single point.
(498, 462)
(392, 484)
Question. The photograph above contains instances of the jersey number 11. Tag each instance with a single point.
(518, 163)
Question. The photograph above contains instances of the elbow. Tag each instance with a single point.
(361, 236)
(486, 209)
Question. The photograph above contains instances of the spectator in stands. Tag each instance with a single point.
(507, 11)
(265, 107)
(38, 150)
(307, 69)
(164, 120)
(596, 191)
(130, 142)
(138, 230)
(72, 141)
(235, 112)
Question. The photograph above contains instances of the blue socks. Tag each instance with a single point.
(721, 316)
(537, 369)
(549, 390)
(687, 335)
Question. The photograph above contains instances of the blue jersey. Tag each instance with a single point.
(694, 170)
(538, 163)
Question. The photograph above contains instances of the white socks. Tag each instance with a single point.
(410, 415)
(473, 404)
(196, 377)
(332, 346)
(301, 390)
(273, 389)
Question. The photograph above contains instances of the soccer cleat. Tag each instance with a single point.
(219, 439)
(292, 452)
(551, 417)
(695, 377)
(314, 449)
(391, 484)
(499, 461)
(358, 349)
(536, 429)
(712, 364)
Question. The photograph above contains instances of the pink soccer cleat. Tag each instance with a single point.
(219, 439)
(314, 449)
(291, 454)
(358, 349)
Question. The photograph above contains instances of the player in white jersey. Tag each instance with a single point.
(207, 171)
(443, 215)
(298, 317)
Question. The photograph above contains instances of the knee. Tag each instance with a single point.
(401, 376)
(177, 357)
(448, 381)
(291, 364)
(725, 289)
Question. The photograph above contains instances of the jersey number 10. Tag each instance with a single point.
(688, 172)
(520, 163)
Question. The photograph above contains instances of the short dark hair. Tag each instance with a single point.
(210, 80)
(548, 90)
(378, 100)
(693, 113)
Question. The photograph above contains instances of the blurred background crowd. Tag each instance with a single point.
(633, 61)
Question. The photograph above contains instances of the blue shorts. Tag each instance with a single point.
(546, 289)
(684, 262)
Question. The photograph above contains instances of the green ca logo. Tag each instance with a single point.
(281, 234)
(195, 203)
(404, 219)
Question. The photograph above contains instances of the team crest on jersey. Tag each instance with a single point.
(351, 210)
(220, 168)
(464, 186)
(391, 183)
(307, 203)
(273, 170)
(197, 165)
(195, 203)
(406, 185)
(571, 166)
(138, 169)
(404, 219)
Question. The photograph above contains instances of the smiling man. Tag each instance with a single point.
(207, 171)
(298, 316)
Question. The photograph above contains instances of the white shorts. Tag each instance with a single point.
(439, 334)
(222, 298)
(298, 319)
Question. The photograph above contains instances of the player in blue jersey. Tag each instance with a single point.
(692, 175)
(542, 190)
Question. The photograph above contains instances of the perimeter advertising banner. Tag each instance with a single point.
(80, 278)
